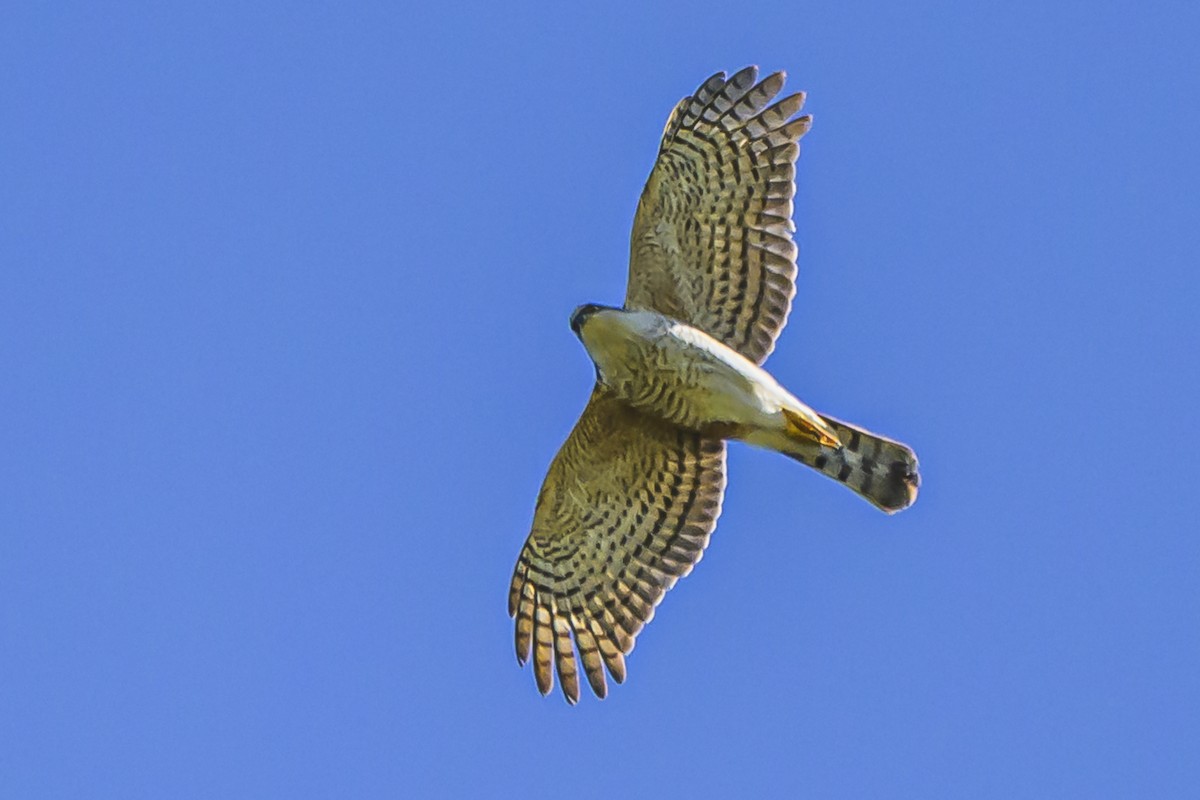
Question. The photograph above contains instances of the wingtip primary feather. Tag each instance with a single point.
(744, 78)
(543, 650)
(564, 655)
(524, 626)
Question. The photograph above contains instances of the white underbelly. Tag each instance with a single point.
(690, 379)
(681, 374)
(722, 392)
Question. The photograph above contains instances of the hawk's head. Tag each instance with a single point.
(580, 315)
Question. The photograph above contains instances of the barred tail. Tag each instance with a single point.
(881, 470)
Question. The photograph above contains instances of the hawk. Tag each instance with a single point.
(633, 495)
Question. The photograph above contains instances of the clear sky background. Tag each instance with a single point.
(284, 356)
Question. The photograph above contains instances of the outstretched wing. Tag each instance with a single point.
(712, 239)
(626, 510)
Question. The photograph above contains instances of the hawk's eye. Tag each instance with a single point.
(580, 315)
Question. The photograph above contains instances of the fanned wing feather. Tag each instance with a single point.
(626, 510)
(712, 239)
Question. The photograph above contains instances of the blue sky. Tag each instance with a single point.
(283, 334)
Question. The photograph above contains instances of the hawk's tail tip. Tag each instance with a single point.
(882, 471)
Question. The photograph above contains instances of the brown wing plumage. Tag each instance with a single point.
(712, 239)
(625, 511)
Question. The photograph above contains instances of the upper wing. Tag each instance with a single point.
(712, 239)
(625, 511)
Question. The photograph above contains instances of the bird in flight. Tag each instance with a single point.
(633, 495)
